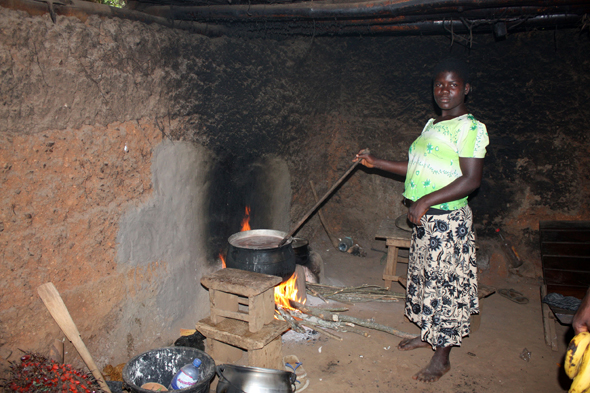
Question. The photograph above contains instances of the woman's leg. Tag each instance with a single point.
(439, 365)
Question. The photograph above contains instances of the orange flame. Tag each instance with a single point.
(246, 221)
(223, 265)
(288, 291)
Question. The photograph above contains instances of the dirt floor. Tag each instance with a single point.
(488, 361)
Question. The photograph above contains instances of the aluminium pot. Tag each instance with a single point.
(258, 251)
(242, 379)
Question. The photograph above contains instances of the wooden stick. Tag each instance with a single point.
(349, 327)
(322, 331)
(318, 203)
(328, 316)
(332, 239)
(290, 320)
(316, 294)
(60, 313)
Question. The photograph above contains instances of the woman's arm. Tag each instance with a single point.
(397, 167)
(581, 322)
(472, 169)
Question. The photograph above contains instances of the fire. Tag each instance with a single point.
(246, 220)
(288, 291)
(245, 227)
(283, 292)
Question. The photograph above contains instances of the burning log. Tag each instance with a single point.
(290, 320)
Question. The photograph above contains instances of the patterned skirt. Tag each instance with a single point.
(442, 277)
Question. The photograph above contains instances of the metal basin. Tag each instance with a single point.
(242, 379)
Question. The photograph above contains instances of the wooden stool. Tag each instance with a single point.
(395, 238)
(230, 331)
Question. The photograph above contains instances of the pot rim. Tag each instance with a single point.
(280, 235)
(254, 369)
(299, 242)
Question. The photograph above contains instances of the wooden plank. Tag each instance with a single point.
(566, 278)
(222, 352)
(568, 290)
(238, 334)
(239, 315)
(270, 356)
(565, 236)
(391, 266)
(548, 322)
(391, 278)
(577, 224)
(240, 282)
(259, 310)
(571, 263)
(388, 230)
(220, 302)
(569, 249)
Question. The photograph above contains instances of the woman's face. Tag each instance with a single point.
(450, 91)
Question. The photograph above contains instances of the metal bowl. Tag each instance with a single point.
(242, 379)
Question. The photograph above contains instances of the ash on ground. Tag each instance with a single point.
(293, 336)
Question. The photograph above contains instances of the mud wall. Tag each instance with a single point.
(113, 132)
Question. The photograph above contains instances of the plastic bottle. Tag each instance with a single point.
(345, 244)
(187, 376)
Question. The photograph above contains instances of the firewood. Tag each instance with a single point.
(316, 294)
(290, 320)
(363, 293)
(333, 317)
(322, 331)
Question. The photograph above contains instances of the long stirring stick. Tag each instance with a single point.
(318, 203)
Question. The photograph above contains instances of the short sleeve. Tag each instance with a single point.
(473, 139)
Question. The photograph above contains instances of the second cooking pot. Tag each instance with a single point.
(301, 250)
(242, 379)
(258, 251)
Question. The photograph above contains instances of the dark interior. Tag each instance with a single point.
(132, 142)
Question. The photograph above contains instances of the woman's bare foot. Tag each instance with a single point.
(407, 344)
(439, 365)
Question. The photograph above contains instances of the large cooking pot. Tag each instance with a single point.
(242, 379)
(258, 251)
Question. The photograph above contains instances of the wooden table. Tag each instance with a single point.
(395, 238)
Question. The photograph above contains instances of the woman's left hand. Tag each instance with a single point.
(416, 211)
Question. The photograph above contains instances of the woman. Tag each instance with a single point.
(445, 165)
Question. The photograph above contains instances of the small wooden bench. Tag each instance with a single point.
(565, 258)
(242, 318)
(395, 238)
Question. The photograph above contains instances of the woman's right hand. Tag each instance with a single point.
(365, 159)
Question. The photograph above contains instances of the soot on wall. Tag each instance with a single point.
(261, 185)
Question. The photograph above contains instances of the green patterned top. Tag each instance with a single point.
(434, 156)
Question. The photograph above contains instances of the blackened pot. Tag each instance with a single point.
(258, 251)
(301, 250)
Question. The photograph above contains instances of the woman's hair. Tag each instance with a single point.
(454, 65)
